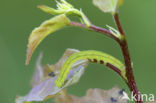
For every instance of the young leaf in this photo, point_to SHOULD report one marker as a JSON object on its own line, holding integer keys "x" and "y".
{"x": 50, "y": 10}
{"x": 92, "y": 56}
{"x": 108, "y": 5}
{"x": 66, "y": 8}
{"x": 39, "y": 33}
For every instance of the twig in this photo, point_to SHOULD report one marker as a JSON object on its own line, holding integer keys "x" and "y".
{"x": 96, "y": 29}
{"x": 127, "y": 59}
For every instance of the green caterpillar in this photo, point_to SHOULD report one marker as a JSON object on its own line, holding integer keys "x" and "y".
{"x": 92, "y": 56}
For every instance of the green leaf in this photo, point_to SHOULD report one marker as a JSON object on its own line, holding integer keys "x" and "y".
{"x": 50, "y": 10}
{"x": 108, "y": 5}
{"x": 92, "y": 56}
{"x": 39, "y": 33}
{"x": 66, "y": 8}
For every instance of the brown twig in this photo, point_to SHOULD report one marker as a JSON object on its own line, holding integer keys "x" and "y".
{"x": 127, "y": 59}
{"x": 96, "y": 29}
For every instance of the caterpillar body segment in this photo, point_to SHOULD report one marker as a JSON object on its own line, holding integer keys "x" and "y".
{"x": 92, "y": 56}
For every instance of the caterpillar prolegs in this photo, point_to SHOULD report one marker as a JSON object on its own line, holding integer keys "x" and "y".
{"x": 91, "y": 56}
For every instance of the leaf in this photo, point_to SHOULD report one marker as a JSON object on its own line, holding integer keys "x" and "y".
{"x": 20, "y": 99}
{"x": 39, "y": 72}
{"x": 108, "y": 5}
{"x": 66, "y": 8}
{"x": 43, "y": 83}
{"x": 38, "y": 34}
{"x": 92, "y": 56}
{"x": 50, "y": 10}
{"x": 93, "y": 96}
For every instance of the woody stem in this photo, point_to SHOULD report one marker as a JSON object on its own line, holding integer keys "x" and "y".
{"x": 129, "y": 70}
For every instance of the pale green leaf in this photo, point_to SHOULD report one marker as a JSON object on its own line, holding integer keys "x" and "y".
{"x": 46, "y": 28}
{"x": 108, "y": 5}
{"x": 50, "y": 10}
{"x": 66, "y": 8}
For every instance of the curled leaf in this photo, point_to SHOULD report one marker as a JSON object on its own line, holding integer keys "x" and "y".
{"x": 39, "y": 72}
{"x": 38, "y": 34}
{"x": 113, "y": 95}
{"x": 50, "y": 10}
{"x": 44, "y": 78}
{"x": 20, "y": 99}
{"x": 108, "y": 5}
{"x": 92, "y": 56}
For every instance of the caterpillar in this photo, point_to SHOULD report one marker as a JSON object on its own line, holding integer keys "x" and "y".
{"x": 91, "y": 56}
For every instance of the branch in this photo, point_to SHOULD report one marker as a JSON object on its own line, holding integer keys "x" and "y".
{"x": 129, "y": 70}
{"x": 96, "y": 29}
{"x": 118, "y": 24}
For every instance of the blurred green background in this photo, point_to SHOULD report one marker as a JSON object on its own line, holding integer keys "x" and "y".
{"x": 19, "y": 17}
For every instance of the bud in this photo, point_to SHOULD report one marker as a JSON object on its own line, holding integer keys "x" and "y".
{"x": 115, "y": 32}
{"x": 64, "y": 7}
